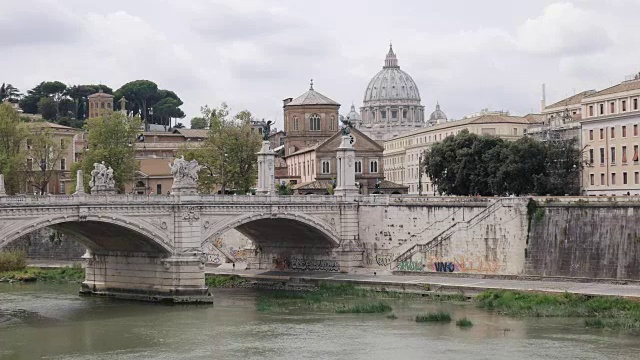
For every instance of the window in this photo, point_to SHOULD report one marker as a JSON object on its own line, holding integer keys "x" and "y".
{"x": 102, "y": 105}
{"x": 636, "y": 177}
{"x": 624, "y": 154}
{"x": 359, "y": 166}
{"x": 590, "y": 110}
{"x": 613, "y": 132}
{"x": 394, "y": 114}
{"x": 63, "y": 164}
{"x": 591, "y": 156}
{"x": 624, "y": 131}
{"x": 624, "y": 178}
{"x": 404, "y": 114}
{"x": 602, "y": 179}
{"x": 326, "y": 166}
{"x": 624, "y": 105}
{"x": 281, "y": 140}
{"x": 62, "y": 188}
{"x": 635, "y": 104}
{"x": 295, "y": 123}
{"x": 515, "y": 131}
{"x": 62, "y": 143}
{"x": 30, "y": 164}
{"x": 159, "y": 189}
{"x": 601, "y": 109}
{"x": 373, "y": 166}
{"x": 613, "y": 154}
{"x": 592, "y": 179}
{"x": 601, "y": 134}
{"x": 635, "y": 153}
{"x": 314, "y": 122}
{"x": 613, "y": 178}
{"x": 332, "y": 124}
{"x": 590, "y": 134}
{"x": 29, "y": 143}
{"x": 612, "y": 107}
{"x": 635, "y": 130}
{"x": 601, "y": 156}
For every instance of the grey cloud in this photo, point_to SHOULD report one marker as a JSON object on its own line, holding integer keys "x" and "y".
{"x": 36, "y": 24}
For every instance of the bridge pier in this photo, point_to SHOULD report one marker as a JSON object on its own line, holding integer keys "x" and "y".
{"x": 146, "y": 277}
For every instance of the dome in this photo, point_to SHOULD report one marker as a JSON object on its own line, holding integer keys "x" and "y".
{"x": 353, "y": 114}
{"x": 438, "y": 115}
{"x": 391, "y": 84}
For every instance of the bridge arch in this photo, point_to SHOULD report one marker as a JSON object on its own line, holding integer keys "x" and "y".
{"x": 294, "y": 230}
{"x": 109, "y": 233}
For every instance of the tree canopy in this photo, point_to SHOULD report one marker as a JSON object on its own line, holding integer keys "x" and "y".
{"x": 12, "y": 157}
{"x": 228, "y": 155}
{"x": 468, "y": 164}
{"x": 111, "y": 138}
{"x": 153, "y": 105}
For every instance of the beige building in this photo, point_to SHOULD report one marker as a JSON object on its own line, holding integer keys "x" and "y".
{"x": 99, "y": 103}
{"x": 610, "y": 139}
{"x": 154, "y": 150}
{"x": 403, "y": 154}
{"x": 561, "y": 120}
{"x": 59, "y": 173}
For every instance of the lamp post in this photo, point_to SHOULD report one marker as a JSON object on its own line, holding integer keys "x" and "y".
{"x": 222, "y": 173}
{"x": 420, "y": 174}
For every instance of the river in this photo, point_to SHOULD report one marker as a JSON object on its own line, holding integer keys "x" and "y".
{"x": 51, "y": 321}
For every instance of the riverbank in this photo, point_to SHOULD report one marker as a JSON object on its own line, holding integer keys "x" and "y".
{"x": 31, "y": 274}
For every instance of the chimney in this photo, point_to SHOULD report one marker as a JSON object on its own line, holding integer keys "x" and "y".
{"x": 543, "y": 102}
{"x": 286, "y": 101}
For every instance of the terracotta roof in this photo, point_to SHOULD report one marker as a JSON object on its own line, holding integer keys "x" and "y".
{"x": 622, "y": 87}
{"x": 571, "y": 100}
{"x": 100, "y": 95}
{"x": 50, "y": 125}
{"x": 307, "y": 149}
{"x": 535, "y": 118}
{"x": 192, "y": 133}
{"x": 386, "y": 184}
{"x": 488, "y": 119}
{"x": 312, "y": 97}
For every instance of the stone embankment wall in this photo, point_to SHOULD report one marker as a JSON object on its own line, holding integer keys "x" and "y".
{"x": 48, "y": 244}
{"x": 585, "y": 237}
{"x": 461, "y": 235}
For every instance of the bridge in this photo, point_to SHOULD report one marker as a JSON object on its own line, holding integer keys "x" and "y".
{"x": 149, "y": 247}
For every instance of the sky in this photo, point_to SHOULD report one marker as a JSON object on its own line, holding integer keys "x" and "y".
{"x": 252, "y": 54}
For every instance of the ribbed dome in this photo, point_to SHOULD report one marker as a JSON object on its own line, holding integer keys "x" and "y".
{"x": 438, "y": 115}
{"x": 353, "y": 114}
{"x": 391, "y": 83}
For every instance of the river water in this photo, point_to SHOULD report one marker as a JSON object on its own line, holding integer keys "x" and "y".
{"x": 51, "y": 321}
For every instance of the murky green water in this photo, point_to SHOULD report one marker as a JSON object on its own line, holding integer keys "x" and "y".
{"x": 51, "y": 321}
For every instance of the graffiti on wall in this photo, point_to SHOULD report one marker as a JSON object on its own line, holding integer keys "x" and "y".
{"x": 281, "y": 263}
{"x": 241, "y": 255}
{"x": 410, "y": 266}
{"x": 465, "y": 264}
{"x": 314, "y": 265}
{"x": 384, "y": 259}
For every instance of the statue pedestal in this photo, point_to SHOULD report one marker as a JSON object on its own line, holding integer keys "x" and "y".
{"x": 346, "y": 179}
{"x": 183, "y": 189}
{"x": 103, "y": 190}
{"x": 266, "y": 170}
{"x": 185, "y": 176}
{"x": 3, "y": 192}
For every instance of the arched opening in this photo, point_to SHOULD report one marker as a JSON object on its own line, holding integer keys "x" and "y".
{"x": 279, "y": 242}
{"x": 396, "y": 193}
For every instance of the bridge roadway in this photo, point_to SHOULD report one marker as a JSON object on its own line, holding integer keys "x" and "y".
{"x": 150, "y": 247}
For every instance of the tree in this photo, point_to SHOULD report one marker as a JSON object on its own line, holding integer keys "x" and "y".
{"x": 139, "y": 92}
{"x": 111, "y": 138}
{"x": 228, "y": 155}
{"x": 44, "y": 154}
{"x": 199, "y": 122}
{"x": 47, "y": 108}
{"x": 468, "y": 164}
{"x": 29, "y": 103}
{"x": 12, "y": 135}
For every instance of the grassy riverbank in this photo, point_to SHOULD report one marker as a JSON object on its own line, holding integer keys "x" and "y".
{"x": 28, "y": 274}
{"x": 599, "y": 311}
{"x": 219, "y": 281}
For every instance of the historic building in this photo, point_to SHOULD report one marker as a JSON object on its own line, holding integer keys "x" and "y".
{"x": 309, "y": 119}
{"x": 437, "y": 117}
{"x": 391, "y": 105}
{"x": 403, "y": 154}
{"x": 561, "y": 120}
{"x": 610, "y": 140}
{"x": 99, "y": 103}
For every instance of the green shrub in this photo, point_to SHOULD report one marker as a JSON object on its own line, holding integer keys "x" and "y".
{"x": 440, "y": 316}
{"x": 12, "y": 260}
{"x": 392, "y": 316}
{"x": 464, "y": 322}
{"x": 368, "y": 308}
{"x": 215, "y": 281}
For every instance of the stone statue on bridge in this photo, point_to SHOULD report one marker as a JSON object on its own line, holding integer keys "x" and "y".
{"x": 102, "y": 181}
{"x": 346, "y": 129}
{"x": 185, "y": 176}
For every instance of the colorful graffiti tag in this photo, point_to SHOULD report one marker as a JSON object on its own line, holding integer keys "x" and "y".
{"x": 465, "y": 264}
{"x": 409, "y": 266}
{"x": 384, "y": 260}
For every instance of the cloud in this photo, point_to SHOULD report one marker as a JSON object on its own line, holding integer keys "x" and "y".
{"x": 563, "y": 29}
{"x": 40, "y": 23}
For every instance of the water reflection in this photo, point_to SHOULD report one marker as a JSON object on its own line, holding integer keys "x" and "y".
{"x": 52, "y": 321}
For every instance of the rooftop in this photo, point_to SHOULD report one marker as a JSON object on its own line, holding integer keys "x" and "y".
{"x": 312, "y": 97}
{"x": 624, "y": 86}
{"x": 571, "y": 100}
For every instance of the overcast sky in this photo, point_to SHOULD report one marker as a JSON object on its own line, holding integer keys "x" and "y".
{"x": 466, "y": 54}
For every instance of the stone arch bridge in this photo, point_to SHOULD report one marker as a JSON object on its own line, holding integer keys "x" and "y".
{"x": 151, "y": 247}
